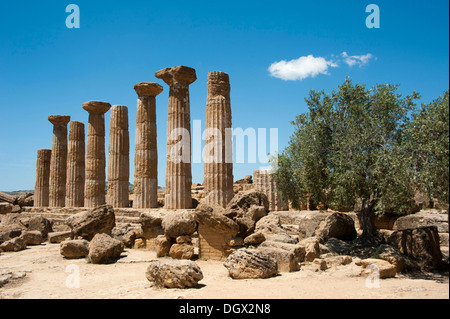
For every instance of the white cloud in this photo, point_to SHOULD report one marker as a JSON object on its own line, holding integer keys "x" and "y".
{"x": 359, "y": 60}
{"x": 301, "y": 68}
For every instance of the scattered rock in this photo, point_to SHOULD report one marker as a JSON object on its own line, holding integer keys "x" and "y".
{"x": 57, "y": 237}
{"x": 183, "y": 239}
{"x": 420, "y": 243}
{"x": 104, "y": 249}
{"x": 371, "y": 265}
{"x": 151, "y": 219}
{"x": 96, "y": 221}
{"x": 174, "y": 273}
{"x": 254, "y": 239}
{"x": 312, "y": 248}
{"x": 32, "y": 237}
{"x": 337, "y": 225}
{"x": 9, "y": 232}
{"x": 178, "y": 223}
{"x": 162, "y": 246}
{"x": 72, "y": 249}
{"x": 41, "y": 224}
{"x": 5, "y": 208}
{"x": 250, "y": 264}
{"x": 335, "y": 261}
{"x": 140, "y": 243}
{"x": 15, "y": 244}
{"x": 236, "y": 242}
{"x": 181, "y": 251}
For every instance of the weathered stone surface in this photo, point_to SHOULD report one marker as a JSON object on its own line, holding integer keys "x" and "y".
{"x": 264, "y": 182}
{"x": 178, "y": 168}
{"x": 424, "y": 218}
{"x": 421, "y": 243}
{"x": 335, "y": 261}
{"x": 183, "y": 239}
{"x": 162, "y": 246}
{"x": 312, "y": 248}
{"x": 288, "y": 256}
{"x": 10, "y": 231}
{"x": 5, "y": 208}
{"x": 338, "y": 226}
{"x": 14, "y": 244}
{"x": 338, "y": 246}
{"x": 94, "y": 191}
{"x": 58, "y": 237}
{"x": 177, "y": 223}
{"x": 243, "y": 201}
{"x": 151, "y": 219}
{"x": 140, "y": 243}
{"x": 254, "y": 239}
{"x": 218, "y": 178}
{"x": 41, "y": 224}
{"x": 32, "y": 237}
{"x": 8, "y": 198}
{"x": 127, "y": 233}
{"x": 236, "y": 242}
{"x": 146, "y": 154}
{"x": 42, "y": 179}
{"x": 385, "y": 269}
{"x": 174, "y": 273}
{"x": 73, "y": 249}
{"x": 250, "y": 264}
{"x": 75, "y": 165}
{"x": 89, "y": 223}
{"x": 270, "y": 226}
{"x": 118, "y": 158}
{"x": 182, "y": 251}
{"x": 104, "y": 249}
{"x": 58, "y": 161}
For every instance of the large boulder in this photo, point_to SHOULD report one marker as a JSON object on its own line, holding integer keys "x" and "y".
{"x": 15, "y": 244}
{"x": 372, "y": 266}
{"x": 420, "y": 243}
{"x": 89, "y": 223}
{"x": 182, "y": 251}
{"x": 151, "y": 219}
{"x": 32, "y": 237}
{"x": 250, "y": 264}
{"x": 104, "y": 249}
{"x": 178, "y": 223}
{"x": 337, "y": 225}
{"x": 41, "y": 224}
{"x": 312, "y": 248}
{"x": 72, "y": 249}
{"x": 207, "y": 218}
{"x": 270, "y": 227}
{"x": 127, "y": 233}
{"x": 5, "y": 208}
{"x": 424, "y": 218}
{"x": 8, "y": 232}
{"x": 288, "y": 256}
{"x": 174, "y": 273}
{"x": 58, "y": 237}
{"x": 162, "y": 245}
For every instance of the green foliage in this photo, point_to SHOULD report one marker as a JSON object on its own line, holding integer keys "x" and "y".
{"x": 427, "y": 140}
{"x": 349, "y": 147}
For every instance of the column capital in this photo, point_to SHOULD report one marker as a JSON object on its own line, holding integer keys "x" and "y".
{"x": 96, "y": 107}
{"x": 177, "y": 75}
{"x": 148, "y": 89}
{"x": 59, "y": 119}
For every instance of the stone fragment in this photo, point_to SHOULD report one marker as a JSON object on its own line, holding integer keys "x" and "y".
{"x": 162, "y": 246}
{"x": 250, "y": 264}
{"x": 32, "y": 237}
{"x": 104, "y": 249}
{"x": 89, "y": 223}
{"x": 378, "y": 266}
{"x": 337, "y": 225}
{"x": 181, "y": 251}
{"x": 174, "y": 273}
{"x": 178, "y": 223}
{"x": 73, "y": 249}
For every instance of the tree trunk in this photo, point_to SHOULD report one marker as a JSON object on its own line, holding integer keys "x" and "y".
{"x": 366, "y": 218}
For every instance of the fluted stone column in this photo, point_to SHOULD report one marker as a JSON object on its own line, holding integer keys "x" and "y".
{"x": 178, "y": 171}
{"x": 146, "y": 154}
{"x": 94, "y": 191}
{"x": 58, "y": 162}
{"x": 41, "y": 186}
{"x": 119, "y": 158}
{"x": 218, "y": 174}
{"x": 264, "y": 182}
{"x": 75, "y": 165}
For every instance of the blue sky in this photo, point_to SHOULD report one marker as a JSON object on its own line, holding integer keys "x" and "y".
{"x": 46, "y": 68}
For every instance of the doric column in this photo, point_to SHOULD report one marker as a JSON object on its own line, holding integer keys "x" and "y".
{"x": 75, "y": 165}
{"x": 146, "y": 155}
{"x": 218, "y": 174}
{"x": 178, "y": 171}
{"x": 58, "y": 162}
{"x": 41, "y": 186}
{"x": 119, "y": 158}
{"x": 94, "y": 191}
{"x": 264, "y": 182}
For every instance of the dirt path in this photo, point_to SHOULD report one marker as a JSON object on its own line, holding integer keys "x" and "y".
{"x": 48, "y": 275}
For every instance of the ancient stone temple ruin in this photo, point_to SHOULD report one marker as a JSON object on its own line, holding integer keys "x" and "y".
{"x": 94, "y": 192}
{"x": 41, "y": 186}
{"x": 75, "y": 165}
{"x": 264, "y": 182}
{"x": 146, "y": 154}
{"x": 218, "y": 179}
{"x": 178, "y": 170}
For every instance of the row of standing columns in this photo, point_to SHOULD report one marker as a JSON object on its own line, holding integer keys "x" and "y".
{"x": 67, "y": 176}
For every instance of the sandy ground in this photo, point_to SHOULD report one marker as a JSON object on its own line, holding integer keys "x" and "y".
{"x": 45, "y": 274}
